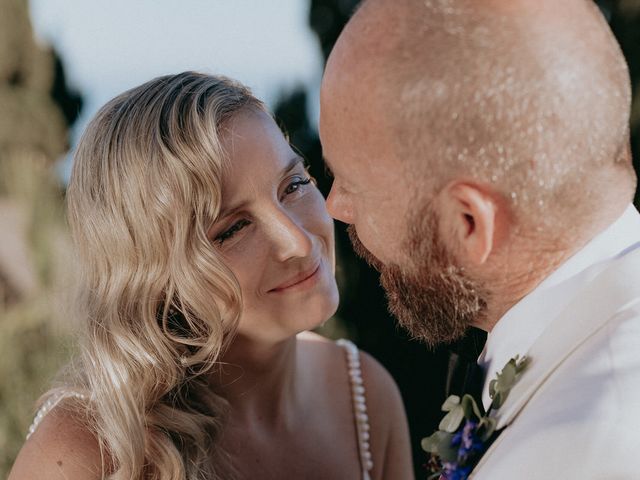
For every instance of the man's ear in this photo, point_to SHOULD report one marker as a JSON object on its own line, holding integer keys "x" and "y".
{"x": 469, "y": 215}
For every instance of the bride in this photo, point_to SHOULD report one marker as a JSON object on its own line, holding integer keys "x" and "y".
{"x": 206, "y": 254}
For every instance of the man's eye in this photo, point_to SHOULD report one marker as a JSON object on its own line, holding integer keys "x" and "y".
{"x": 231, "y": 231}
{"x": 295, "y": 185}
{"x": 327, "y": 171}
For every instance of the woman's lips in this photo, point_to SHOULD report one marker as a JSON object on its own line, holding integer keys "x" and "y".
{"x": 300, "y": 281}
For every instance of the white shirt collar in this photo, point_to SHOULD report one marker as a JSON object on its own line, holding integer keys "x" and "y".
{"x": 519, "y": 328}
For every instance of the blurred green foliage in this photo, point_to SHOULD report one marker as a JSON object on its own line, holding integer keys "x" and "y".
{"x": 33, "y": 333}
{"x": 34, "y": 242}
{"x": 33, "y": 350}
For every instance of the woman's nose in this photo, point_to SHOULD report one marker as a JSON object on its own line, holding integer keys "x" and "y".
{"x": 290, "y": 239}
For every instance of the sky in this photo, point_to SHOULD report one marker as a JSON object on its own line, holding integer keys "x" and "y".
{"x": 110, "y": 46}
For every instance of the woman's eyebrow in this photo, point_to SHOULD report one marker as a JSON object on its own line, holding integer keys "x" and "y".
{"x": 292, "y": 164}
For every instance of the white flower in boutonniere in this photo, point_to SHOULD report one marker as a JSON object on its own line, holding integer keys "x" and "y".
{"x": 466, "y": 431}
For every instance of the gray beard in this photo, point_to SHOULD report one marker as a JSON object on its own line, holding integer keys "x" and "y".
{"x": 433, "y": 299}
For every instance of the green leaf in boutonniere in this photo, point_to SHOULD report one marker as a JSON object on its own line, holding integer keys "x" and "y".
{"x": 440, "y": 444}
{"x": 500, "y": 387}
{"x": 466, "y": 431}
{"x": 471, "y": 408}
{"x": 451, "y": 421}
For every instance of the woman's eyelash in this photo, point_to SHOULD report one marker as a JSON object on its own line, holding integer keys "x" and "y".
{"x": 231, "y": 231}
{"x": 293, "y": 186}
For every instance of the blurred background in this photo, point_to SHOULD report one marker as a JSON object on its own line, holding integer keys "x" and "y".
{"x": 60, "y": 60}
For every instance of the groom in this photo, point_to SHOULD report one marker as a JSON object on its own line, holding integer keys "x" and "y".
{"x": 481, "y": 157}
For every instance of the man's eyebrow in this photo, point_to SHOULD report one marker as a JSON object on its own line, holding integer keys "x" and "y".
{"x": 293, "y": 163}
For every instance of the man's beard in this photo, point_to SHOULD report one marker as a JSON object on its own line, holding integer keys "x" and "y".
{"x": 432, "y": 298}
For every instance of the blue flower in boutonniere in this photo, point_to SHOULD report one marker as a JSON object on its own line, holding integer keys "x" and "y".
{"x": 466, "y": 431}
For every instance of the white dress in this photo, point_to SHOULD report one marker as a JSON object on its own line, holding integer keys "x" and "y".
{"x": 360, "y": 415}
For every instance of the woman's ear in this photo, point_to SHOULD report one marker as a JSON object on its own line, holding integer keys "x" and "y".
{"x": 469, "y": 220}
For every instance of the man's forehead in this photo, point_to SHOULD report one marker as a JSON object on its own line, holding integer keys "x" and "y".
{"x": 367, "y": 38}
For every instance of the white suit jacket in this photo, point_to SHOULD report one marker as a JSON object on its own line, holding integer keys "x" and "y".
{"x": 575, "y": 412}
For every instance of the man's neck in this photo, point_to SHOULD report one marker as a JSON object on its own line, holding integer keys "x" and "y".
{"x": 531, "y": 259}
{"x": 514, "y": 287}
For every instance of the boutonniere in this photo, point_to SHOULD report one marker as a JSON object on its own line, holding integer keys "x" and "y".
{"x": 466, "y": 431}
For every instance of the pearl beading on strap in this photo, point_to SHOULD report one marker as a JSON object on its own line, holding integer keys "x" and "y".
{"x": 359, "y": 406}
{"x": 50, "y": 405}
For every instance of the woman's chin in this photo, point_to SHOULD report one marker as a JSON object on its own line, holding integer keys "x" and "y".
{"x": 324, "y": 309}
{"x": 286, "y": 320}
{"x": 310, "y": 323}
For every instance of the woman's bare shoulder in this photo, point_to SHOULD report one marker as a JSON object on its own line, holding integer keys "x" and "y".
{"x": 380, "y": 386}
{"x": 390, "y": 444}
{"x": 383, "y": 395}
{"x": 62, "y": 447}
{"x": 389, "y": 438}
{"x": 324, "y": 354}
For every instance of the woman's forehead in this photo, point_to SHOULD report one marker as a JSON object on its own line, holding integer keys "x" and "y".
{"x": 253, "y": 139}
{"x": 259, "y": 157}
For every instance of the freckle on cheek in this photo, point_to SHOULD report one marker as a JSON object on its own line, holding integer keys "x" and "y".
{"x": 59, "y": 462}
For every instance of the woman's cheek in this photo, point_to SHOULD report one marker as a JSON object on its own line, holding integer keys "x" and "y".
{"x": 245, "y": 260}
{"x": 319, "y": 222}
{"x": 316, "y": 208}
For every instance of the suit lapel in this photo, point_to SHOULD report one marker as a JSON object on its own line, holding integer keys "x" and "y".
{"x": 584, "y": 316}
{"x": 610, "y": 291}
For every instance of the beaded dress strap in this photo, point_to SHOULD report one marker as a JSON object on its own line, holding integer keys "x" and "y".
{"x": 359, "y": 406}
{"x": 50, "y": 405}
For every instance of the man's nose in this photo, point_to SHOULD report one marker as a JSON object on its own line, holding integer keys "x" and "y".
{"x": 290, "y": 239}
{"x": 338, "y": 206}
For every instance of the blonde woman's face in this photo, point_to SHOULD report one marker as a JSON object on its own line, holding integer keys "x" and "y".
{"x": 274, "y": 233}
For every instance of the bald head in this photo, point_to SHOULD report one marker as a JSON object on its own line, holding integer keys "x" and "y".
{"x": 530, "y": 98}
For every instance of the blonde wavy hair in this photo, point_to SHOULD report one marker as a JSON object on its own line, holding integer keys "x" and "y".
{"x": 158, "y": 305}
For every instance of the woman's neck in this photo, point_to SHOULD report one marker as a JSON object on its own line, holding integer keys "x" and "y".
{"x": 258, "y": 381}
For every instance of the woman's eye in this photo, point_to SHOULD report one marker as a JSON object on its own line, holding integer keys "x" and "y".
{"x": 231, "y": 231}
{"x": 296, "y": 184}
